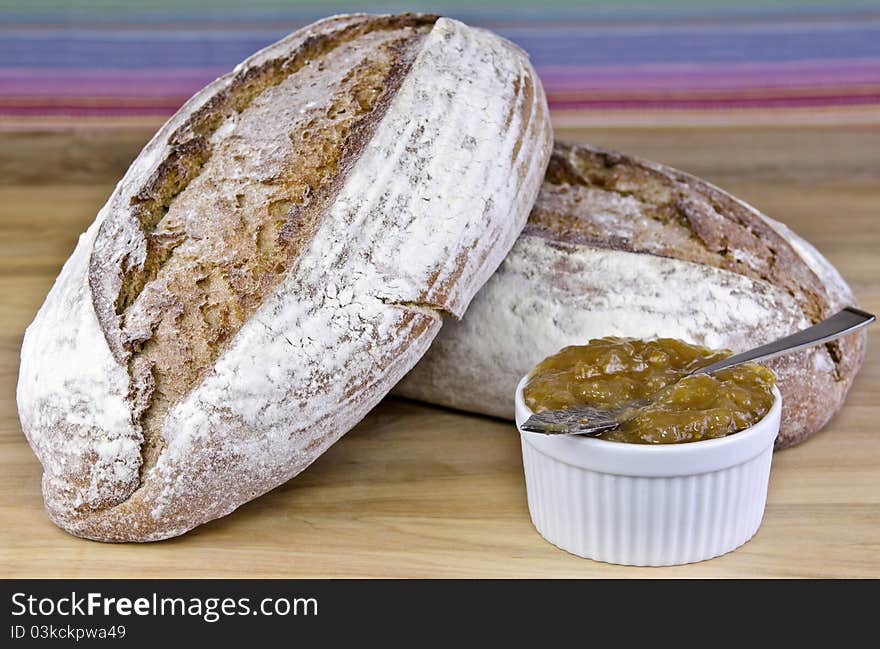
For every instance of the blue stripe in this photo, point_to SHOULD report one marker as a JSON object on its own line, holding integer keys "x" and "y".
{"x": 224, "y": 49}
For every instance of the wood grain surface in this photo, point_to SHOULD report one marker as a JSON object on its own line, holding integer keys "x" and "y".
{"x": 417, "y": 491}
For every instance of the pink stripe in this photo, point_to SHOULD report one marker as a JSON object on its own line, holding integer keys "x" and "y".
{"x": 717, "y": 104}
{"x": 86, "y": 111}
{"x": 585, "y": 105}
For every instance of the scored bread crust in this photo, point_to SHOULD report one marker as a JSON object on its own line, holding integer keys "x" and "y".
{"x": 617, "y": 246}
{"x": 411, "y": 212}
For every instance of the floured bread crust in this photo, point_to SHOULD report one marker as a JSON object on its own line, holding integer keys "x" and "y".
{"x": 620, "y": 246}
{"x": 279, "y": 255}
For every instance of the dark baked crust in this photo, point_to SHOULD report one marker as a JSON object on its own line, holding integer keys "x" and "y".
{"x": 273, "y": 262}
{"x": 214, "y": 243}
{"x": 684, "y": 217}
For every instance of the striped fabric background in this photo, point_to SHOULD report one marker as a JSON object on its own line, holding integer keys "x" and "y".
{"x": 124, "y": 63}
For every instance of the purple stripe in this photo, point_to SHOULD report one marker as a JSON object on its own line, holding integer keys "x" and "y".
{"x": 53, "y": 82}
{"x": 49, "y": 82}
{"x": 709, "y": 76}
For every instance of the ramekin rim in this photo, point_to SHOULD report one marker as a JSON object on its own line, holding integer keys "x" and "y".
{"x": 687, "y": 458}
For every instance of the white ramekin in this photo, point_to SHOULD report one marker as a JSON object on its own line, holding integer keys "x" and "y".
{"x": 645, "y": 505}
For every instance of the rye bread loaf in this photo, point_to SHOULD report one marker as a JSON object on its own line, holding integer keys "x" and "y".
{"x": 274, "y": 261}
{"x": 617, "y": 246}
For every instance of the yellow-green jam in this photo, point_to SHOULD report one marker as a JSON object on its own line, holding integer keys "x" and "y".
{"x": 610, "y": 372}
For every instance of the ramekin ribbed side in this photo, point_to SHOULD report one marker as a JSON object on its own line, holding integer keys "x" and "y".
{"x": 645, "y": 504}
{"x": 645, "y": 521}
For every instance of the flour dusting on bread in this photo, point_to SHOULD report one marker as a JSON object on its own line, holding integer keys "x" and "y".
{"x": 617, "y": 246}
{"x": 264, "y": 347}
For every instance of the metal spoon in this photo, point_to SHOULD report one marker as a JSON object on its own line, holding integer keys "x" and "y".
{"x": 586, "y": 420}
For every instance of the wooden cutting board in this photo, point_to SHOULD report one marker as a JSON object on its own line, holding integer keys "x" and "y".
{"x": 417, "y": 491}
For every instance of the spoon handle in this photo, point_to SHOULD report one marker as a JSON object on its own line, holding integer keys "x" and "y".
{"x": 837, "y": 325}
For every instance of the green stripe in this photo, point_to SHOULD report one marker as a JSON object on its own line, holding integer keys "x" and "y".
{"x": 332, "y": 6}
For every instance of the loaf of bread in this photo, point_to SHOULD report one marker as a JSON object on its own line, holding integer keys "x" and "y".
{"x": 274, "y": 261}
{"x": 617, "y": 246}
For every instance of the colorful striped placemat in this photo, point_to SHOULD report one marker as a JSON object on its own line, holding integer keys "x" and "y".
{"x": 113, "y": 63}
